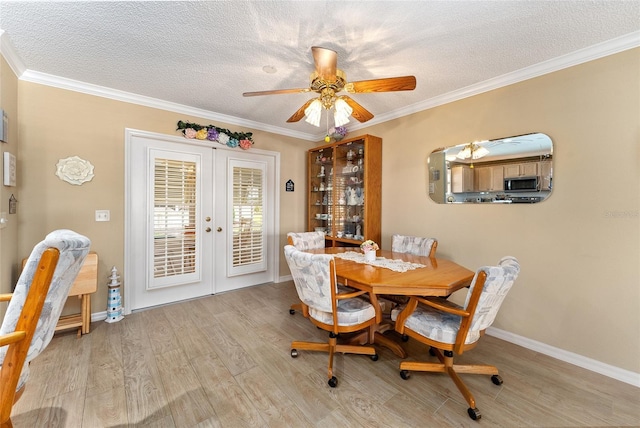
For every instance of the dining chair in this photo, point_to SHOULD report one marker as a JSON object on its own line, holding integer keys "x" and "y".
{"x": 34, "y": 308}
{"x": 314, "y": 276}
{"x": 448, "y": 328}
{"x": 304, "y": 241}
{"x": 414, "y": 245}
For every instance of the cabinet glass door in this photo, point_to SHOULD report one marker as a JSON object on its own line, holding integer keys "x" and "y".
{"x": 321, "y": 192}
{"x": 349, "y": 191}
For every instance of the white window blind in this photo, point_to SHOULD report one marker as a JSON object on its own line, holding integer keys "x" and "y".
{"x": 248, "y": 221}
{"x": 174, "y": 217}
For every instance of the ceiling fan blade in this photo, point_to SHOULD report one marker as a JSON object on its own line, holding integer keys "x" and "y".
{"x": 404, "y": 83}
{"x": 326, "y": 63}
{"x": 360, "y": 113}
{"x": 300, "y": 113}
{"x": 276, "y": 91}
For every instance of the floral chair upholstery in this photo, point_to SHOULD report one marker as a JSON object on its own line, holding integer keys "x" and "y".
{"x": 414, "y": 245}
{"x": 73, "y": 249}
{"x": 314, "y": 276}
{"x": 306, "y": 240}
{"x": 449, "y": 328}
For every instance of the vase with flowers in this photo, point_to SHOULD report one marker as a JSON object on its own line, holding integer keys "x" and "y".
{"x": 369, "y": 249}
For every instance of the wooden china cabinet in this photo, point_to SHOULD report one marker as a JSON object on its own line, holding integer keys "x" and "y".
{"x": 344, "y": 186}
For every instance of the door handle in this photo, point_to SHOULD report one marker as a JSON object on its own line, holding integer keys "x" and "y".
{"x": 208, "y": 229}
{"x": 219, "y": 229}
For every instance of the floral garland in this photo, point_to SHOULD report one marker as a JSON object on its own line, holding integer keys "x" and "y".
{"x": 337, "y": 133}
{"x": 213, "y": 133}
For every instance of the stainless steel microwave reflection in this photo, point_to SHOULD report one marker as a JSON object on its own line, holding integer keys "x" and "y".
{"x": 511, "y": 170}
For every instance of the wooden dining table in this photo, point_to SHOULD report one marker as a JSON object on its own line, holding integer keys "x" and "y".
{"x": 438, "y": 277}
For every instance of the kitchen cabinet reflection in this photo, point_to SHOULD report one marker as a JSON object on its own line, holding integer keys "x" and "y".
{"x": 508, "y": 170}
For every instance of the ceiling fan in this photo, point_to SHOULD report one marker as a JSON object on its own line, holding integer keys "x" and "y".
{"x": 327, "y": 80}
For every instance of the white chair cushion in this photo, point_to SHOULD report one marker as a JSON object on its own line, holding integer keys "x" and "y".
{"x": 350, "y": 312}
{"x": 412, "y": 245}
{"x": 307, "y": 240}
{"x": 437, "y": 325}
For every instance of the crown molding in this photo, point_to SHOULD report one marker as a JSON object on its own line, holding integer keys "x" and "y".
{"x": 128, "y": 97}
{"x": 9, "y": 54}
{"x": 600, "y": 50}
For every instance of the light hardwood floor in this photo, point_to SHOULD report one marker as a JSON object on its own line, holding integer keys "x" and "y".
{"x": 223, "y": 361}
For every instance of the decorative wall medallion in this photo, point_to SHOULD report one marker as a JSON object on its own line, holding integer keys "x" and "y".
{"x": 74, "y": 170}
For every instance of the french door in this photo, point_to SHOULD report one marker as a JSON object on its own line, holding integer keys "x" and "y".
{"x": 199, "y": 219}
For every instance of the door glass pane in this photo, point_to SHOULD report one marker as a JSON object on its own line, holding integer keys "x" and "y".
{"x": 248, "y": 209}
{"x": 174, "y": 217}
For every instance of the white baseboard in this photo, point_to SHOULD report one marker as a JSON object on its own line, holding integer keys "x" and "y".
{"x": 626, "y": 376}
{"x": 99, "y": 316}
{"x": 285, "y": 278}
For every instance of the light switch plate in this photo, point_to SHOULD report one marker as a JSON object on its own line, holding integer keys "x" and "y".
{"x": 103, "y": 215}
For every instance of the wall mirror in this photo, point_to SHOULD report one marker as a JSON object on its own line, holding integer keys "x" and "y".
{"x": 511, "y": 170}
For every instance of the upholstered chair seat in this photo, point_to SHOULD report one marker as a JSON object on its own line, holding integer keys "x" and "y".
{"x": 350, "y": 312}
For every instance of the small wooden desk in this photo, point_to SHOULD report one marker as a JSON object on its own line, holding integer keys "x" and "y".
{"x": 85, "y": 284}
{"x": 439, "y": 277}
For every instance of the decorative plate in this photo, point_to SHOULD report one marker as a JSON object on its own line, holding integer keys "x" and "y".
{"x": 74, "y": 170}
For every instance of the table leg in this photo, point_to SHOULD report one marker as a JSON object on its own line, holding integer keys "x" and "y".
{"x": 375, "y": 336}
{"x": 391, "y": 344}
{"x": 86, "y": 313}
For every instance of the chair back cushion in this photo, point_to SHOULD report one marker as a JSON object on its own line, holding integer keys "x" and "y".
{"x": 312, "y": 277}
{"x": 499, "y": 281}
{"x": 444, "y": 327}
{"x": 73, "y": 249}
{"x": 307, "y": 240}
{"x": 412, "y": 245}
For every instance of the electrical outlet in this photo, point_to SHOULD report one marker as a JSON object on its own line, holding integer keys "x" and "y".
{"x": 102, "y": 215}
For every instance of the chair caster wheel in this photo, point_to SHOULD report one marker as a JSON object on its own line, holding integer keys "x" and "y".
{"x": 496, "y": 379}
{"x": 404, "y": 374}
{"x": 374, "y": 357}
{"x": 405, "y": 338}
{"x": 474, "y": 413}
{"x": 333, "y": 382}
{"x": 292, "y": 311}
{"x": 432, "y": 351}
{"x": 294, "y": 353}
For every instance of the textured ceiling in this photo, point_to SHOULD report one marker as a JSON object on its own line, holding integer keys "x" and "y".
{"x": 204, "y": 55}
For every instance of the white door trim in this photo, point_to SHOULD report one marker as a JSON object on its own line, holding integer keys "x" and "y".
{"x": 128, "y": 227}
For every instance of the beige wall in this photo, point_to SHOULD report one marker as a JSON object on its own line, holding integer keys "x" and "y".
{"x": 579, "y": 250}
{"x": 56, "y": 124}
{"x": 579, "y": 289}
{"x": 8, "y": 235}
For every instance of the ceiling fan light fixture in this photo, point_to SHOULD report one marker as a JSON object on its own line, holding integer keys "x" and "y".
{"x": 465, "y": 153}
{"x": 480, "y": 152}
{"x": 473, "y": 151}
{"x": 313, "y": 112}
{"x": 342, "y": 112}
